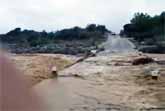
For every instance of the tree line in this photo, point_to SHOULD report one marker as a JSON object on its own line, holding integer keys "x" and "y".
{"x": 143, "y": 27}
{"x": 34, "y": 38}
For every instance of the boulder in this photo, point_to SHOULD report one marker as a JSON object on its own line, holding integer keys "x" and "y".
{"x": 142, "y": 60}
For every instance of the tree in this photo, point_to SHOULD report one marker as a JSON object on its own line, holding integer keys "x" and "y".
{"x": 101, "y": 28}
{"x": 143, "y": 27}
{"x": 91, "y": 27}
{"x": 14, "y": 32}
{"x": 142, "y": 21}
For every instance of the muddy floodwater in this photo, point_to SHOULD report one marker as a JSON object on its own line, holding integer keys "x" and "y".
{"x": 106, "y": 83}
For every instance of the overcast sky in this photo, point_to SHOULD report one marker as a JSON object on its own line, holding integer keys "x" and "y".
{"x": 53, "y": 15}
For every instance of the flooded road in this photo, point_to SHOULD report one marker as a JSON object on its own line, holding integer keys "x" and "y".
{"x": 104, "y": 83}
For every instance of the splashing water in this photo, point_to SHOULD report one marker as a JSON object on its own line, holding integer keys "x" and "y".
{"x": 117, "y": 44}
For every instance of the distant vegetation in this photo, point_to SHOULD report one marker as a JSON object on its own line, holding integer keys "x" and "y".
{"x": 33, "y": 38}
{"x": 68, "y": 40}
{"x": 147, "y": 30}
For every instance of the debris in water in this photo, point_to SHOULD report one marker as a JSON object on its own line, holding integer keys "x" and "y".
{"x": 93, "y": 52}
{"x": 155, "y": 74}
{"x": 54, "y": 71}
{"x": 142, "y": 61}
{"x": 152, "y": 72}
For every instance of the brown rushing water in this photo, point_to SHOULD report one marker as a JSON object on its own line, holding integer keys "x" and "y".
{"x": 105, "y": 83}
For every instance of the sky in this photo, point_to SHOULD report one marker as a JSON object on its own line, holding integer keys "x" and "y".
{"x": 52, "y": 15}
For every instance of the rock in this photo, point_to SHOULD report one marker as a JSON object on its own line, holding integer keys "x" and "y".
{"x": 142, "y": 60}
